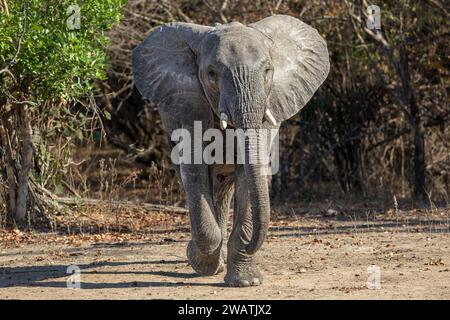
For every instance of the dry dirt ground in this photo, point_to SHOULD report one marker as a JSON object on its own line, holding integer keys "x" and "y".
{"x": 309, "y": 254}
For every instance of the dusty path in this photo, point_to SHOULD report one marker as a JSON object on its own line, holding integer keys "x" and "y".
{"x": 321, "y": 258}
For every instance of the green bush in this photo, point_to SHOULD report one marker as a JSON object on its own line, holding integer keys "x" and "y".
{"x": 47, "y": 60}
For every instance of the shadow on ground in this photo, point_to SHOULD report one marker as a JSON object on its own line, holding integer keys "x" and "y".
{"x": 36, "y": 276}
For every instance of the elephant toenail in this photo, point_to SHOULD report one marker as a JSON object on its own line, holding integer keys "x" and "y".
{"x": 244, "y": 283}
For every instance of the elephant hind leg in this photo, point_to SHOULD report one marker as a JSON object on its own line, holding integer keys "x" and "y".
{"x": 223, "y": 185}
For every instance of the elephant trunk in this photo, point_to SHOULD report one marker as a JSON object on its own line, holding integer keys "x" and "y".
{"x": 255, "y": 173}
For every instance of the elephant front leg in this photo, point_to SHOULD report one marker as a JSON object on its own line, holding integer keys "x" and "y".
{"x": 241, "y": 267}
{"x": 204, "y": 251}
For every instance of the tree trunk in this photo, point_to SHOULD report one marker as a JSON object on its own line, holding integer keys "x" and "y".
{"x": 26, "y": 161}
{"x": 10, "y": 171}
{"x": 409, "y": 97}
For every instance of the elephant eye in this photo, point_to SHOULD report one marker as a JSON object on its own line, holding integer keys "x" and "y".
{"x": 212, "y": 75}
{"x": 267, "y": 74}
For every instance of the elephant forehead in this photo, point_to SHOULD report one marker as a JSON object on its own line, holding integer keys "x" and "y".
{"x": 241, "y": 49}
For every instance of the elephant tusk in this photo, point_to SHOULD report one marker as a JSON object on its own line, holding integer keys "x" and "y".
{"x": 270, "y": 117}
{"x": 223, "y": 121}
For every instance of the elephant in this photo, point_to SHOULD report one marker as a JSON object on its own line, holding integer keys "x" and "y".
{"x": 237, "y": 76}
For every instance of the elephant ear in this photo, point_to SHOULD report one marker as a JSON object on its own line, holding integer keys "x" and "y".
{"x": 165, "y": 70}
{"x": 301, "y": 63}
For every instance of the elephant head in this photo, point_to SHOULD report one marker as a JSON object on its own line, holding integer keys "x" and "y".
{"x": 251, "y": 77}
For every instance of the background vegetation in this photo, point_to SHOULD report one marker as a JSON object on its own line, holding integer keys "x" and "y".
{"x": 378, "y": 128}
{"x": 48, "y": 60}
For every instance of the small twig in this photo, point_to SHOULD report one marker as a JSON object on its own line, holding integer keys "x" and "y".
{"x": 5, "y": 7}
{"x": 222, "y": 9}
{"x": 72, "y": 190}
{"x": 149, "y": 206}
{"x": 277, "y": 6}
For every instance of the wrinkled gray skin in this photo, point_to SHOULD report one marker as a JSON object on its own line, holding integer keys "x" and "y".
{"x": 195, "y": 73}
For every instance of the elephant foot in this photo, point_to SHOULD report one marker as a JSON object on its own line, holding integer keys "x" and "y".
{"x": 243, "y": 276}
{"x": 205, "y": 264}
